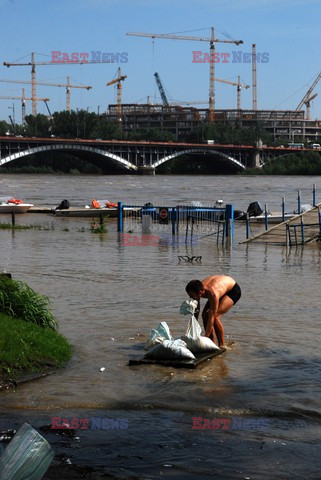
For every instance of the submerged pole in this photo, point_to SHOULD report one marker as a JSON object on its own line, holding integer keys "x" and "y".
{"x": 120, "y": 219}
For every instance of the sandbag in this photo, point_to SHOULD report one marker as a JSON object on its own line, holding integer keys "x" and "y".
{"x": 158, "y": 335}
{"x": 27, "y": 457}
{"x": 188, "y": 307}
{"x": 195, "y": 342}
{"x": 170, "y": 350}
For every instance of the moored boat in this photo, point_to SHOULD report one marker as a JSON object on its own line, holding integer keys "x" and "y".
{"x": 13, "y": 205}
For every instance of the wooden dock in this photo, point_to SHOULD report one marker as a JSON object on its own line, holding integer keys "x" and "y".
{"x": 298, "y": 230}
{"x": 79, "y": 211}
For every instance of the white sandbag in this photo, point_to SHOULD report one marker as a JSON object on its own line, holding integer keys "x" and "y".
{"x": 195, "y": 342}
{"x": 188, "y": 307}
{"x": 158, "y": 335}
{"x": 170, "y": 350}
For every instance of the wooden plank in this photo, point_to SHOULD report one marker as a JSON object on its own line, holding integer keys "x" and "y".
{"x": 276, "y": 235}
{"x": 200, "y": 358}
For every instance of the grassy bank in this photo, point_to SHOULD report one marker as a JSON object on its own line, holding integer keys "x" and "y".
{"x": 29, "y": 348}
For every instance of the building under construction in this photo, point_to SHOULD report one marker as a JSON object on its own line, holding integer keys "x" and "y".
{"x": 180, "y": 121}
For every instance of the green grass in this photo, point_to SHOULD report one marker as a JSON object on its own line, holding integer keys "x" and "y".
{"x": 27, "y": 348}
{"x": 17, "y": 299}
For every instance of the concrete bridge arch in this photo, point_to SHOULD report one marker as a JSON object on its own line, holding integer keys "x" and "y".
{"x": 231, "y": 160}
{"x": 71, "y": 148}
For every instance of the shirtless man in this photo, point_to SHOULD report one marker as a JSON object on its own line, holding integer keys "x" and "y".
{"x": 222, "y": 293}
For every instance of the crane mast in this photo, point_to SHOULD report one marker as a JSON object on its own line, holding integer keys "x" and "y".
{"x": 211, "y": 40}
{"x": 23, "y": 99}
{"x": 67, "y": 85}
{"x": 120, "y": 78}
{"x": 34, "y": 83}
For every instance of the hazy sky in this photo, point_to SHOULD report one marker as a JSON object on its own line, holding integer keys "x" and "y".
{"x": 288, "y": 32}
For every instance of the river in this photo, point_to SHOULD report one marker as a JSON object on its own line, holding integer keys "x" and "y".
{"x": 107, "y": 297}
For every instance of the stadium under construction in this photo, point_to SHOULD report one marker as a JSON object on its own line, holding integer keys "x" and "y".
{"x": 289, "y": 125}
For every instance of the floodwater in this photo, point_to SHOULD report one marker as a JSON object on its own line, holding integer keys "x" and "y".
{"x": 107, "y": 297}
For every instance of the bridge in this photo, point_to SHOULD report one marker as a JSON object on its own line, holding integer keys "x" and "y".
{"x": 143, "y": 157}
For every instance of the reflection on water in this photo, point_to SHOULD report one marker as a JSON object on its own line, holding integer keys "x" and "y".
{"x": 107, "y": 297}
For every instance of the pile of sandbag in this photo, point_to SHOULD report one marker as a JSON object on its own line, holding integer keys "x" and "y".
{"x": 161, "y": 345}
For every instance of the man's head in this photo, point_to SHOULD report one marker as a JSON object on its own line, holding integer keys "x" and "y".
{"x": 195, "y": 289}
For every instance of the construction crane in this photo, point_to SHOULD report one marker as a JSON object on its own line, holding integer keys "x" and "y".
{"x": 120, "y": 78}
{"x": 161, "y": 89}
{"x": 238, "y": 84}
{"x": 33, "y": 82}
{"x": 307, "y": 97}
{"x": 67, "y": 85}
{"x": 23, "y": 99}
{"x": 211, "y": 41}
{"x": 308, "y": 105}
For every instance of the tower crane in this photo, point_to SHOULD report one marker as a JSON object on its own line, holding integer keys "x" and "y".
{"x": 239, "y": 86}
{"x": 23, "y": 99}
{"x": 211, "y": 40}
{"x": 67, "y": 85}
{"x": 307, "y": 97}
{"x": 120, "y": 78}
{"x": 33, "y": 82}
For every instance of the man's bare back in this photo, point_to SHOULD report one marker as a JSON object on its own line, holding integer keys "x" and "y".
{"x": 218, "y": 284}
{"x": 222, "y": 292}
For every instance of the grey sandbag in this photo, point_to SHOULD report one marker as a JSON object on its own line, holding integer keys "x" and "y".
{"x": 27, "y": 457}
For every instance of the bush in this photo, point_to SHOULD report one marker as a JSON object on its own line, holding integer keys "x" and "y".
{"x": 19, "y": 300}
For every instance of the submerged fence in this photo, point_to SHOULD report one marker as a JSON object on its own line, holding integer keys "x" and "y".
{"x": 184, "y": 220}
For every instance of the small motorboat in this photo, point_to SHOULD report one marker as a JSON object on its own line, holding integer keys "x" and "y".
{"x": 13, "y": 205}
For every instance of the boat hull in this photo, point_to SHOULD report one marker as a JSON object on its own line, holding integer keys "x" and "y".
{"x": 13, "y": 208}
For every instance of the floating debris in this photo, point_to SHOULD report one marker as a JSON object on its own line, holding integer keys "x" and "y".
{"x": 188, "y": 259}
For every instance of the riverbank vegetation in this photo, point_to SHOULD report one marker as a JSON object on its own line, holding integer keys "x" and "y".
{"x": 29, "y": 341}
{"x": 28, "y": 348}
{"x": 302, "y": 163}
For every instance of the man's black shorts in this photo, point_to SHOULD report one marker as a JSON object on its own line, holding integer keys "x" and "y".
{"x": 235, "y": 293}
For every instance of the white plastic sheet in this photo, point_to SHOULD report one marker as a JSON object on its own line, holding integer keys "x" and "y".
{"x": 27, "y": 457}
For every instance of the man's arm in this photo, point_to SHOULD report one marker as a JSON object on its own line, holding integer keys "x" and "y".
{"x": 214, "y": 302}
{"x": 197, "y": 311}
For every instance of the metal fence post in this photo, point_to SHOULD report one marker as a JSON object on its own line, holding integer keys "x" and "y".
{"x": 173, "y": 212}
{"x": 120, "y": 219}
{"x": 229, "y": 220}
{"x": 266, "y": 221}
{"x": 299, "y": 202}
{"x": 247, "y": 224}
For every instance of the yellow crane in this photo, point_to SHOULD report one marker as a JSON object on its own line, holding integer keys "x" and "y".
{"x": 237, "y": 84}
{"x": 120, "y": 78}
{"x": 68, "y": 86}
{"x": 23, "y": 99}
{"x": 34, "y": 83}
{"x": 212, "y": 40}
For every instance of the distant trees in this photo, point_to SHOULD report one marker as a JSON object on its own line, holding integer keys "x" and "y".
{"x": 229, "y": 134}
{"x": 302, "y": 163}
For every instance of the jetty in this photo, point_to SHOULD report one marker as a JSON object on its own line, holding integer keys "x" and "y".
{"x": 299, "y": 230}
